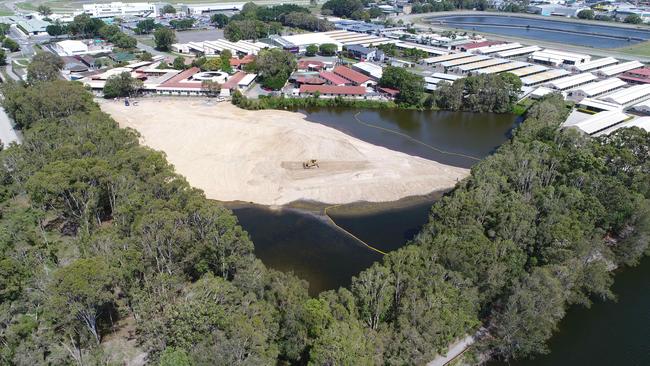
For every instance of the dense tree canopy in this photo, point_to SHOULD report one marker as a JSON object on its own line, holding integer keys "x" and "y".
{"x": 121, "y": 85}
{"x": 45, "y": 66}
{"x": 410, "y": 85}
{"x": 164, "y": 38}
{"x": 480, "y": 93}
{"x": 344, "y": 8}
{"x": 274, "y": 67}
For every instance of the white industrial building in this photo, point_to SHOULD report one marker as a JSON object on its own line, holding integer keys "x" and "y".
{"x": 432, "y": 82}
{"x": 572, "y": 81}
{"x": 542, "y": 77}
{"x": 443, "y": 58}
{"x": 595, "y": 64}
{"x": 596, "y": 89}
{"x": 114, "y": 9}
{"x": 518, "y": 51}
{"x": 71, "y": 47}
{"x": 597, "y": 105}
{"x": 428, "y": 49}
{"x": 340, "y": 38}
{"x": 466, "y": 69}
{"x": 640, "y": 122}
{"x": 446, "y": 65}
{"x": 217, "y": 46}
{"x": 486, "y": 50}
{"x": 370, "y": 69}
{"x": 628, "y": 96}
{"x": 506, "y": 67}
{"x": 601, "y": 121}
{"x": 529, "y": 70}
{"x": 614, "y": 70}
{"x": 558, "y": 58}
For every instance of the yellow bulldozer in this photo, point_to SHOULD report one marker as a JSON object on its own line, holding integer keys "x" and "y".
{"x": 309, "y": 164}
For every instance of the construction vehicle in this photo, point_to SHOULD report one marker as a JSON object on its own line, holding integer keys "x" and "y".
{"x": 309, "y": 164}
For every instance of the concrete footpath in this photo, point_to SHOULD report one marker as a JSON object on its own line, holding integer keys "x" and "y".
{"x": 455, "y": 350}
{"x": 7, "y": 132}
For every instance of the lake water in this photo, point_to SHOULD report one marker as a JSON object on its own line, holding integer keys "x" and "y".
{"x": 574, "y": 33}
{"x": 608, "y": 333}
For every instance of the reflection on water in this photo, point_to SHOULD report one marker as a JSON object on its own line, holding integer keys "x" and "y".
{"x": 315, "y": 251}
{"x": 599, "y": 35}
{"x": 456, "y": 133}
{"x": 609, "y": 333}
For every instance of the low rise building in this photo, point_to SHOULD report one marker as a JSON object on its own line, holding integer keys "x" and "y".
{"x": 571, "y": 81}
{"x": 601, "y": 121}
{"x": 75, "y": 47}
{"x": 558, "y": 58}
{"x": 353, "y": 77}
{"x": 331, "y": 91}
{"x": 365, "y": 53}
{"x": 618, "y": 69}
{"x": 629, "y": 96}
{"x": 595, "y": 64}
{"x": 637, "y": 76}
{"x": 595, "y": 89}
{"x": 33, "y": 27}
{"x": 121, "y": 9}
{"x": 373, "y": 70}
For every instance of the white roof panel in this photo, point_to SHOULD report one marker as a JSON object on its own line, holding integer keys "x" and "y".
{"x": 619, "y": 69}
{"x": 601, "y": 121}
{"x": 518, "y": 51}
{"x": 628, "y": 95}
{"x": 600, "y": 87}
{"x": 544, "y": 76}
{"x": 596, "y": 64}
{"x": 448, "y": 57}
{"x": 572, "y": 81}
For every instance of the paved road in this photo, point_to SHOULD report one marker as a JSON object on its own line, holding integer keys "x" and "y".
{"x": 7, "y": 132}
{"x": 455, "y": 349}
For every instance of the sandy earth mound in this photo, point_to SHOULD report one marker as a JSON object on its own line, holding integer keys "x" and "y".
{"x": 234, "y": 154}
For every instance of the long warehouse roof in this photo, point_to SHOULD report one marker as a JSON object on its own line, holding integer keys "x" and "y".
{"x": 448, "y": 57}
{"x": 496, "y": 69}
{"x": 596, "y": 64}
{"x": 571, "y": 81}
{"x": 496, "y": 48}
{"x": 601, "y": 121}
{"x": 641, "y": 122}
{"x": 518, "y": 51}
{"x": 482, "y": 64}
{"x": 561, "y": 55}
{"x": 619, "y": 69}
{"x": 427, "y": 49}
{"x": 532, "y": 69}
{"x": 463, "y": 61}
{"x": 600, "y": 87}
{"x": 628, "y": 95}
{"x": 544, "y": 76}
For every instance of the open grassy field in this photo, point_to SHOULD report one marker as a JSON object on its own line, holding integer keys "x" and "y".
{"x": 640, "y": 49}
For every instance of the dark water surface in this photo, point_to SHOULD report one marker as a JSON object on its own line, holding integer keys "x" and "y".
{"x": 325, "y": 256}
{"x": 453, "y": 138}
{"x": 574, "y": 33}
{"x": 609, "y": 333}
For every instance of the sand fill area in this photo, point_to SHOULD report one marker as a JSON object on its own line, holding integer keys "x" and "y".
{"x": 257, "y": 156}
